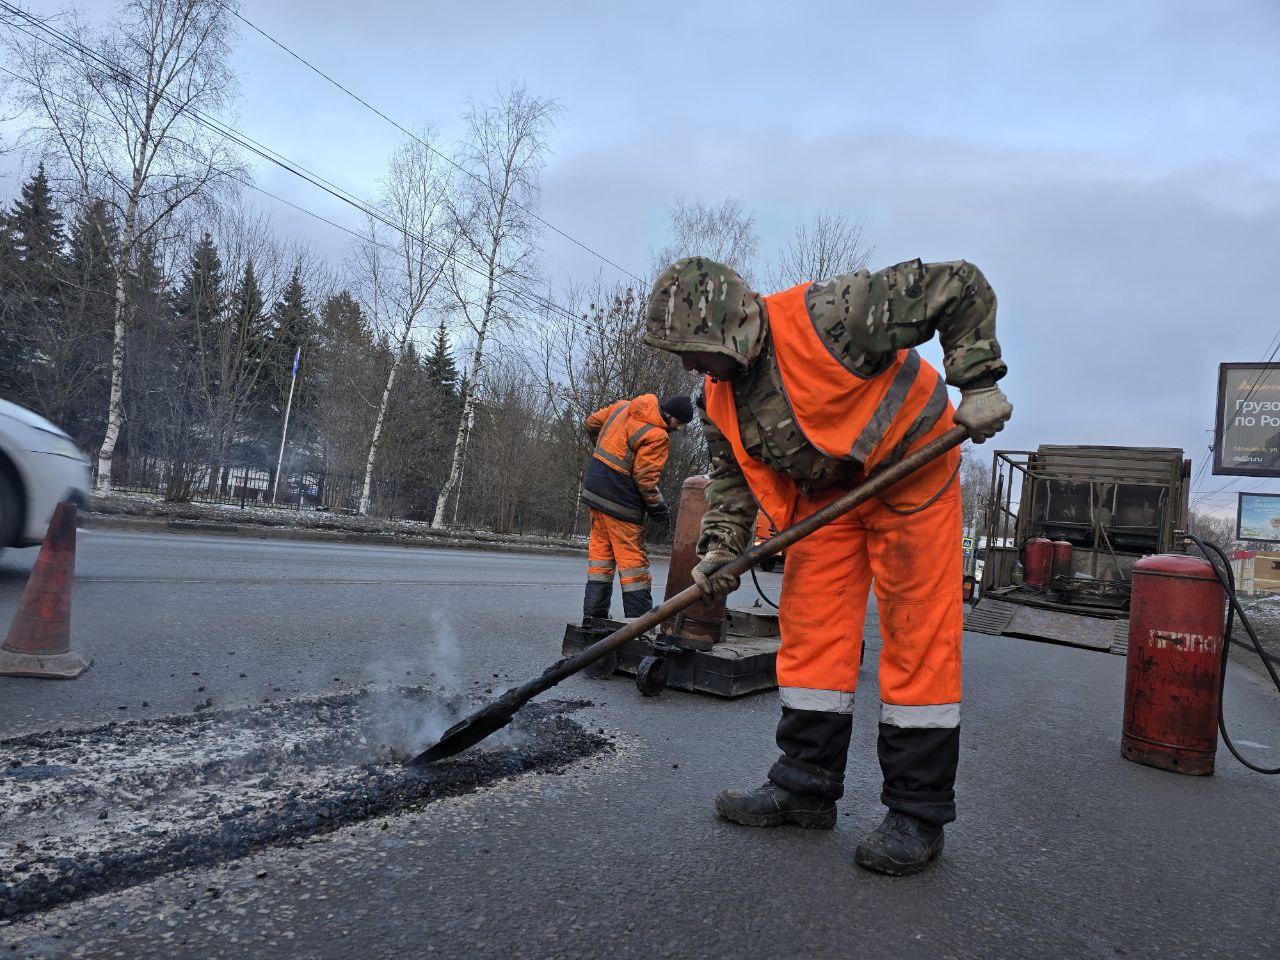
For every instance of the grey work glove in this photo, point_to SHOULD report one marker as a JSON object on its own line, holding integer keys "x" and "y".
{"x": 983, "y": 411}
{"x": 714, "y": 585}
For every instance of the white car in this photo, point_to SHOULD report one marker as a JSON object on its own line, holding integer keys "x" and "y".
{"x": 39, "y": 467}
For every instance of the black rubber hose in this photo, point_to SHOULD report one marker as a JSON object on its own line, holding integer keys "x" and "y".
{"x": 1226, "y": 576}
{"x": 760, "y": 590}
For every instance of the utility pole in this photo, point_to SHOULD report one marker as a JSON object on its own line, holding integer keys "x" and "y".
{"x": 293, "y": 379}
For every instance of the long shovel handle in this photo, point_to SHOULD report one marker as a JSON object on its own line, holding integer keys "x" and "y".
{"x": 873, "y": 485}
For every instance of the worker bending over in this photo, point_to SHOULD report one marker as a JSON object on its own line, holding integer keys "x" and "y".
{"x": 806, "y": 392}
{"x": 632, "y": 439}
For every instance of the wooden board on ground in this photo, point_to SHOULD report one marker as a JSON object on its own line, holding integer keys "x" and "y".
{"x": 1001, "y": 618}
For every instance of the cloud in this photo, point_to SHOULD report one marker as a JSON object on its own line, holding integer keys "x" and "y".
{"x": 1120, "y": 291}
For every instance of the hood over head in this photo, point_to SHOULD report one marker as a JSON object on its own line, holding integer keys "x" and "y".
{"x": 701, "y": 305}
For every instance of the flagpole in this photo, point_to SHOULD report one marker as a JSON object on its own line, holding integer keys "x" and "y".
{"x": 293, "y": 379}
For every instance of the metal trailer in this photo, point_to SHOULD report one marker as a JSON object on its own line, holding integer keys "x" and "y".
{"x": 1114, "y": 505}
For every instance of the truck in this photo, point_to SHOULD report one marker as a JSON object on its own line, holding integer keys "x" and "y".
{"x": 1101, "y": 508}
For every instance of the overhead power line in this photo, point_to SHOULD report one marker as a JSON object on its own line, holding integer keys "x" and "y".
{"x": 116, "y": 72}
{"x": 409, "y": 133}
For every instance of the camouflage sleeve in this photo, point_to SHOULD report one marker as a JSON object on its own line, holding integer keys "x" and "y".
{"x": 904, "y": 305}
{"x": 731, "y": 507}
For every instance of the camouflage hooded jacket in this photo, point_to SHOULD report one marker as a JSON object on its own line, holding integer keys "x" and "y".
{"x": 864, "y": 319}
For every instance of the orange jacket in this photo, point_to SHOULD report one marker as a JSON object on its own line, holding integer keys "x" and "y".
{"x": 844, "y": 416}
{"x": 632, "y": 443}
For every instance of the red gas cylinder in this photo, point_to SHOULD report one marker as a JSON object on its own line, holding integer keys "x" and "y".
{"x": 1062, "y": 556}
{"x": 1037, "y": 563}
{"x": 1174, "y": 672}
{"x": 702, "y": 624}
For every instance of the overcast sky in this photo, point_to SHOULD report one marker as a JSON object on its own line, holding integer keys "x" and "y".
{"x": 1113, "y": 167}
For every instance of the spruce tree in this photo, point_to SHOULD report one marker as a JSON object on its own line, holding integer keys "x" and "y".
{"x": 293, "y": 333}
{"x": 37, "y": 226}
{"x": 245, "y": 351}
{"x": 440, "y": 366}
{"x": 13, "y": 337}
{"x": 81, "y": 347}
{"x": 200, "y": 299}
{"x": 342, "y": 324}
{"x": 293, "y": 328}
{"x": 36, "y": 242}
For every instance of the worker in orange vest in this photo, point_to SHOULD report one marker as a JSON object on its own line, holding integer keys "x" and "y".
{"x": 806, "y": 392}
{"x": 632, "y": 439}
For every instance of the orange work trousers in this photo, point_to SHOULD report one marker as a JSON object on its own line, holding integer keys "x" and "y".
{"x": 912, "y": 554}
{"x": 617, "y": 547}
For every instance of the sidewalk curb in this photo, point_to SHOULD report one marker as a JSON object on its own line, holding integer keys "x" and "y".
{"x": 99, "y": 521}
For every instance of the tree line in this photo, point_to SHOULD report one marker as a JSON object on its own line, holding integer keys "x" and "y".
{"x": 150, "y": 308}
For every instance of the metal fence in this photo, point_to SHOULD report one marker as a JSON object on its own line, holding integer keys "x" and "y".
{"x": 252, "y": 487}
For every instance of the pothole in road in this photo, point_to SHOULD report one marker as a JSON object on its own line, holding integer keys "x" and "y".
{"x": 113, "y": 806}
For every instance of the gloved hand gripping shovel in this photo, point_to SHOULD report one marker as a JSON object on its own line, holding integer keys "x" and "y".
{"x": 496, "y": 715}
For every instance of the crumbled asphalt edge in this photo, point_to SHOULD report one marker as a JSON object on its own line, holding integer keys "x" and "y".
{"x": 553, "y": 742}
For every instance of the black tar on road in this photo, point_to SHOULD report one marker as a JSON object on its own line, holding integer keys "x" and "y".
{"x": 1062, "y": 848}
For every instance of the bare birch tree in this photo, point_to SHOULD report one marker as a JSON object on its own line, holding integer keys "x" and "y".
{"x": 725, "y": 232}
{"x": 408, "y": 247}
{"x": 828, "y": 246}
{"x": 503, "y": 157}
{"x": 116, "y": 110}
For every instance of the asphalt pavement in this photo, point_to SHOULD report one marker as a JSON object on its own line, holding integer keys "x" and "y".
{"x": 1061, "y": 848}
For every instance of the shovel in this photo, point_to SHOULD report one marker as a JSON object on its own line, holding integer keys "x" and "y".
{"x": 494, "y": 716}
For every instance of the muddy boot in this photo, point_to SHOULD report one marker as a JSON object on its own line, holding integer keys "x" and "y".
{"x": 900, "y": 846}
{"x": 774, "y": 806}
{"x": 595, "y": 601}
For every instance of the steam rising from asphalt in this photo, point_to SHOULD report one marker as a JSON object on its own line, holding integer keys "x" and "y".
{"x": 402, "y": 726}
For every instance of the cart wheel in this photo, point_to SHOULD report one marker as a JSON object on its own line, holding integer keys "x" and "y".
{"x": 603, "y": 668}
{"x": 651, "y": 676}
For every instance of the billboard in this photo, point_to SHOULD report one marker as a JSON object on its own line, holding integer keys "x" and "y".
{"x": 1246, "y": 439}
{"x": 1258, "y": 517}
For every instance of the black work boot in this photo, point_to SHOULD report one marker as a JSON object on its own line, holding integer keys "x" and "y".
{"x": 900, "y": 846}
{"x": 595, "y": 601}
{"x": 774, "y": 806}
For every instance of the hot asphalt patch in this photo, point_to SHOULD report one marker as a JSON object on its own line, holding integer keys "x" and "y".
{"x": 116, "y": 805}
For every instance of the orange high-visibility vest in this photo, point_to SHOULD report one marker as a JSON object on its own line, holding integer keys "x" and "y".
{"x": 843, "y": 415}
{"x": 620, "y": 436}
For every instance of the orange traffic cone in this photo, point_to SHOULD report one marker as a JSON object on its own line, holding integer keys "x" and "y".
{"x": 39, "y": 639}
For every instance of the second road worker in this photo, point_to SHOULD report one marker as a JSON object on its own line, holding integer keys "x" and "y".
{"x": 632, "y": 438}
{"x": 806, "y": 392}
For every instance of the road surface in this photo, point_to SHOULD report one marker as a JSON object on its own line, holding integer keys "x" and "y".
{"x": 1061, "y": 849}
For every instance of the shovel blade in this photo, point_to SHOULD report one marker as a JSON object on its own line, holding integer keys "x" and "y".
{"x": 466, "y": 733}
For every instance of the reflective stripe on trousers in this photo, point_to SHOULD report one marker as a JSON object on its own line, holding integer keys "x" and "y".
{"x": 617, "y": 545}
{"x": 808, "y": 698}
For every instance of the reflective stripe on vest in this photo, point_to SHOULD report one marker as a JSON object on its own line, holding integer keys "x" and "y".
{"x": 627, "y": 463}
{"x": 843, "y": 415}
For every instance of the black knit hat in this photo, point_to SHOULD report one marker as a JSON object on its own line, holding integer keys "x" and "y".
{"x": 680, "y": 407}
